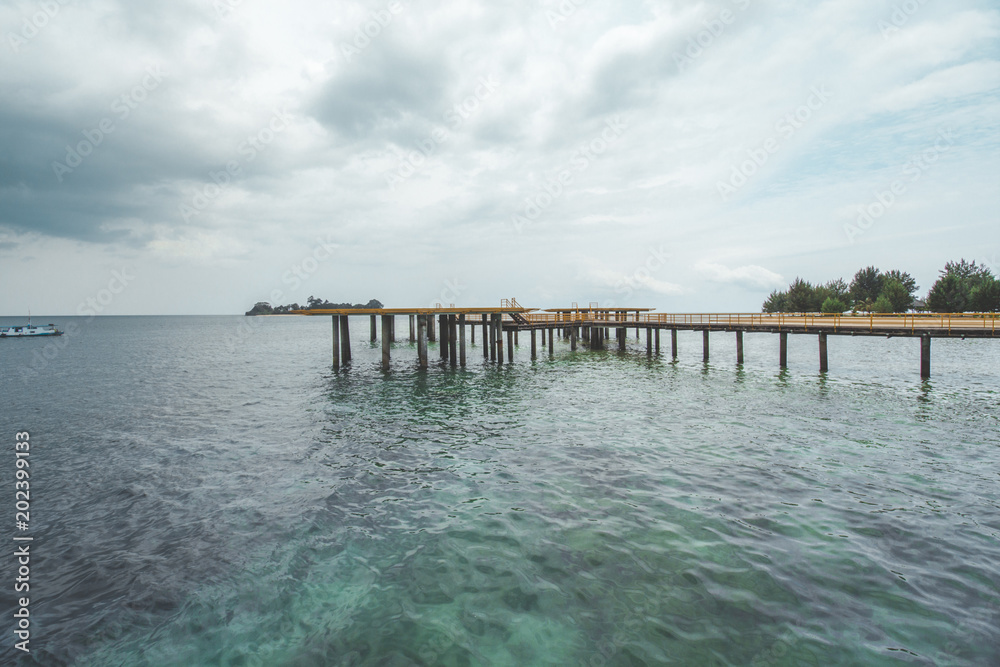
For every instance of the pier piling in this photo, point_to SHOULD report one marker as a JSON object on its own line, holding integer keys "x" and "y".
{"x": 374, "y": 330}
{"x": 824, "y": 364}
{"x": 493, "y": 339}
{"x": 510, "y": 346}
{"x": 386, "y": 340}
{"x": 422, "y": 340}
{"x": 739, "y": 348}
{"x": 498, "y": 323}
{"x": 925, "y": 356}
{"x": 453, "y": 340}
{"x": 345, "y": 339}
{"x": 336, "y": 341}
{"x": 461, "y": 339}
{"x": 657, "y": 342}
{"x": 704, "y": 345}
{"x": 783, "y": 350}
{"x": 551, "y": 345}
{"x": 486, "y": 338}
{"x": 443, "y": 327}
{"x": 413, "y": 332}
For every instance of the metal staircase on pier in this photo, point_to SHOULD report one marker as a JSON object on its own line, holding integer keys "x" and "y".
{"x": 512, "y": 303}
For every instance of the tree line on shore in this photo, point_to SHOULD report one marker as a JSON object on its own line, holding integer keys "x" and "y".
{"x": 962, "y": 287}
{"x": 312, "y": 303}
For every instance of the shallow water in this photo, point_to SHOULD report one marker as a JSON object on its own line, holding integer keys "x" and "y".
{"x": 208, "y": 491}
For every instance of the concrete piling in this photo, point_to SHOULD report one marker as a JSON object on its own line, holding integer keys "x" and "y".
{"x": 443, "y": 326}
{"x": 925, "y": 356}
{"x": 704, "y": 345}
{"x": 453, "y": 340}
{"x": 783, "y": 350}
{"x": 422, "y": 340}
{"x": 386, "y": 340}
{"x": 493, "y": 339}
{"x": 824, "y": 364}
{"x": 336, "y": 340}
{"x": 673, "y": 344}
{"x": 486, "y": 339}
{"x": 499, "y": 326}
{"x": 345, "y": 339}
{"x": 739, "y": 348}
{"x": 461, "y": 339}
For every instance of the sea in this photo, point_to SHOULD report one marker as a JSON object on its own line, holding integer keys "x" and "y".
{"x": 210, "y": 491}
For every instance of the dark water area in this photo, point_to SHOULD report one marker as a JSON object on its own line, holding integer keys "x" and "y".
{"x": 208, "y": 491}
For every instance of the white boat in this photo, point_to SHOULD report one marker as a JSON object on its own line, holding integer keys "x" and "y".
{"x": 29, "y": 330}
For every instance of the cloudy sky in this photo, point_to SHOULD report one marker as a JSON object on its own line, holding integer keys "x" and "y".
{"x": 197, "y": 156}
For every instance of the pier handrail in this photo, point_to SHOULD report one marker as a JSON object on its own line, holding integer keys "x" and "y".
{"x": 799, "y": 321}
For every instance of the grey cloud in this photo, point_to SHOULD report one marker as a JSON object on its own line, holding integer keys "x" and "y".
{"x": 381, "y": 88}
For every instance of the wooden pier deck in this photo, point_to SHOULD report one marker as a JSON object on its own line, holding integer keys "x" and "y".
{"x": 592, "y": 326}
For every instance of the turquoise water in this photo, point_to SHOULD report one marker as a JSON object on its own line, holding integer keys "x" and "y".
{"x": 208, "y": 491}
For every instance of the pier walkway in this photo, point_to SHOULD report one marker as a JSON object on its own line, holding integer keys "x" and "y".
{"x": 592, "y": 326}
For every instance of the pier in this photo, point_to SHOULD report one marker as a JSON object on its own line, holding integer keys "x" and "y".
{"x": 591, "y": 328}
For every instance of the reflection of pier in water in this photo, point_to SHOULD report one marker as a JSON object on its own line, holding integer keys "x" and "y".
{"x": 592, "y": 326}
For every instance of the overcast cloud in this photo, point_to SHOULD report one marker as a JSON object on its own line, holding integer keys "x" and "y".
{"x": 689, "y": 156}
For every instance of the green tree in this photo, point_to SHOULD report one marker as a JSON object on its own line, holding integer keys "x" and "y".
{"x": 776, "y": 302}
{"x": 985, "y": 297}
{"x": 898, "y": 296}
{"x": 905, "y": 279}
{"x": 833, "y": 305}
{"x": 882, "y": 305}
{"x": 802, "y": 297}
{"x": 867, "y": 285}
{"x": 953, "y": 292}
{"x": 840, "y": 290}
{"x": 948, "y": 295}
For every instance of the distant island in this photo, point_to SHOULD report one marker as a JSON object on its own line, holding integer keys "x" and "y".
{"x": 312, "y": 303}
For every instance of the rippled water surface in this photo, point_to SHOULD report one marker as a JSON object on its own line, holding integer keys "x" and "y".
{"x": 207, "y": 491}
